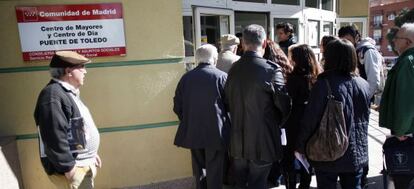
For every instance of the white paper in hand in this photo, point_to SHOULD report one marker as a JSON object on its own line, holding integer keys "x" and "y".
{"x": 302, "y": 159}
{"x": 283, "y": 139}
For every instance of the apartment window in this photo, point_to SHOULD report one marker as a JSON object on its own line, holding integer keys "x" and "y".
{"x": 377, "y": 20}
{"x": 313, "y": 28}
{"x": 286, "y": 2}
{"x": 377, "y": 36}
{"x": 312, "y": 3}
{"x": 253, "y": 1}
{"x": 327, "y": 5}
{"x": 188, "y": 35}
{"x": 391, "y": 16}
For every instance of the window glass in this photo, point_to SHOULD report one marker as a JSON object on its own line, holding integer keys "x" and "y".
{"x": 243, "y": 19}
{"x": 210, "y": 29}
{"x": 378, "y": 20}
{"x": 327, "y": 5}
{"x": 253, "y": 1}
{"x": 286, "y": 2}
{"x": 188, "y": 35}
{"x": 312, "y": 3}
{"x": 327, "y": 28}
{"x": 313, "y": 28}
{"x": 377, "y": 35}
{"x": 293, "y": 21}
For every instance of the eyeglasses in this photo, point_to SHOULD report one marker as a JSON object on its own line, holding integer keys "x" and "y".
{"x": 409, "y": 40}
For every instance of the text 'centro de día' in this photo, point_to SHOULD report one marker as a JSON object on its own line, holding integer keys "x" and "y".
{"x": 78, "y": 13}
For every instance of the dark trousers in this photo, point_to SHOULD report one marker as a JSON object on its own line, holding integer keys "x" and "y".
{"x": 328, "y": 180}
{"x": 364, "y": 179}
{"x": 402, "y": 181}
{"x": 290, "y": 171}
{"x": 251, "y": 174}
{"x": 212, "y": 162}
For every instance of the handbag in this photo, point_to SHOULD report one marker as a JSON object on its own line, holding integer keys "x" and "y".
{"x": 399, "y": 156}
{"x": 330, "y": 140}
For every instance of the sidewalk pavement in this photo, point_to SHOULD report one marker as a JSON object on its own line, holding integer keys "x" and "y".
{"x": 376, "y": 137}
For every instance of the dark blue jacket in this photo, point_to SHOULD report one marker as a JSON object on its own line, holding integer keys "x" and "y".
{"x": 199, "y": 105}
{"x": 353, "y": 92}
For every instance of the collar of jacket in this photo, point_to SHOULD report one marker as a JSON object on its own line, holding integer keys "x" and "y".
{"x": 66, "y": 86}
{"x": 252, "y": 53}
{"x": 407, "y": 52}
{"x": 203, "y": 65}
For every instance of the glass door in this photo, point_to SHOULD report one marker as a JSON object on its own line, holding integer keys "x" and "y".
{"x": 276, "y": 20}
{"x": 210, "y": 24}
{"x": 359, "y": 23}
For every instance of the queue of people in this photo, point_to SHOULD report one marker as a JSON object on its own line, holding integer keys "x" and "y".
{"x": 272, "y": 91}
{"x": 254, "y": 112}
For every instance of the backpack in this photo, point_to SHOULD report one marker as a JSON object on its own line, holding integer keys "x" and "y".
{"x": 362, "y": 72}
{"x": 360, "y": 53}
{"x": 330, "y": 140}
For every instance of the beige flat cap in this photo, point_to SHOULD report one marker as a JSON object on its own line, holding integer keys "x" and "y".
{"x": 63, "y": 59}
{"x": 229, "y": 39}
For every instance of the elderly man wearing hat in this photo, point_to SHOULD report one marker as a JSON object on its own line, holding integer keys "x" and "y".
{"x": 227, "y": 56}
{"x": 68, "y": 137}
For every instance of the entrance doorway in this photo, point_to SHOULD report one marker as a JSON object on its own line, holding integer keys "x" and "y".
{"x": 211, "y": 23}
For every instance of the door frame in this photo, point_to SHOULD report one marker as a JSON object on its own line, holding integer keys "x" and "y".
{"x": 198, "y": 11}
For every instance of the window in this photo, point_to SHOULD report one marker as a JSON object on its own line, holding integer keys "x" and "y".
{"x": 327, "y": 5}
{"x": 327, "y": 28}
{"x": 188, "y": 35}
{"x": 391, "y": 16}
{"x": 243, "y": 19}
{"x": 253, "y": 1}
{"x": 286, "y": 2}
{"x": 377, "y": 20}
{"x": 313, "y": 28}
{"x": 312, "y": 3}
{"x": 293, "y": 21}
{"x": 377, "y": 36}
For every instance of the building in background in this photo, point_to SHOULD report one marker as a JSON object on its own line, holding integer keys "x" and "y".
{"x": 382, "y": 15}
{"x": 205, "y": 21}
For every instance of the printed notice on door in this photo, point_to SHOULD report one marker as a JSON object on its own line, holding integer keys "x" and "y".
{"x": 90, "y": 29}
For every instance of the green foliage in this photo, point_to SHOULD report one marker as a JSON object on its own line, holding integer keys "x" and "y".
{"x": 406, "y": 15}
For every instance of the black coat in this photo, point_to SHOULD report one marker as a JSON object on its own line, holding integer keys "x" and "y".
{"x": 299, "y": 88}
{"x": 53, "y": 111}
{"x": 284, "y": 45}
{"x": 199, "y": 105}
{"x": 353, "y": 92}
{"x": 257, "y": 103}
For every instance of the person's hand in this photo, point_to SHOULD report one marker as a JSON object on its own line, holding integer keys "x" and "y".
{"x": 98, "y": 162}
{"x": 70, "y": 173}
{"x": 402, "y": 138}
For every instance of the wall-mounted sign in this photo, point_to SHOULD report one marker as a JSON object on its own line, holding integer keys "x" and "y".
{"x": 90, "y": 29}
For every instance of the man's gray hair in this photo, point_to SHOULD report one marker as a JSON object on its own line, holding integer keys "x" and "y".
{"x": 57, "y": 73}
{"x": 206, "y": 54}
{"x": 254, "y": 35}
{"x": 408, "y": 30}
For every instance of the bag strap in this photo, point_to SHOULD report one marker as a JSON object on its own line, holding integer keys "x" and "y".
{"x": 330, "y": 95}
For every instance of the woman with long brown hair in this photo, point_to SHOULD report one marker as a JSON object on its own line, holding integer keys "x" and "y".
{"x": 275, "y": 54}
{"x": 299, "y": 84}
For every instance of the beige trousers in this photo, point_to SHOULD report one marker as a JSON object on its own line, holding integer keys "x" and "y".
{"x": 82, "y": 179}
